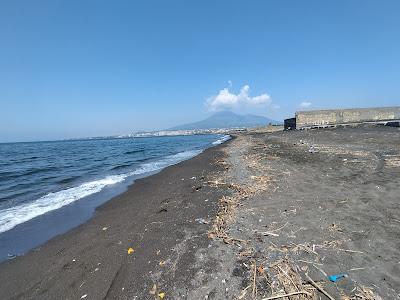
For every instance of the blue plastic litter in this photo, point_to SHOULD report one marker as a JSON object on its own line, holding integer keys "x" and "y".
{"x": 336, "y": 277}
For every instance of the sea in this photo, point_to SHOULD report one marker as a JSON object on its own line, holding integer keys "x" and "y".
{"x": 48, "y": 188}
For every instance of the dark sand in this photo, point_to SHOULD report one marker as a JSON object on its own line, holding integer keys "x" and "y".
{"x": 156, "y": 217}
{"x": 316, "y": 202}
{"x": 292, "y": 204}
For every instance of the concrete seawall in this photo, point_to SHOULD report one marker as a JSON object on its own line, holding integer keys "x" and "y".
{"x": 321, "y": 118}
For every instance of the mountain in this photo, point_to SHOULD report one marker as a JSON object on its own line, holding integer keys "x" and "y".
{"x": 226, "y": 119}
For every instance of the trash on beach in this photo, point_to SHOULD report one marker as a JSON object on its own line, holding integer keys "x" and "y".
{"x": 83, "y": 296}
{"x": 266, "y": 233}
{"x": 313, "y": 149}
{"x": 261, "y": 269}
{"x": 105, "y": 228}
{"x": 153, "y": 290}
{"x": 202, "y": 221}
{"x": 130, "y": 250}
{"x": 336, "y": 277}
{"x": 161, "y": 263}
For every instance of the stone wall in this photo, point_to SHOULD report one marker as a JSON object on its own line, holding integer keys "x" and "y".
{"x": 320, "y": 118}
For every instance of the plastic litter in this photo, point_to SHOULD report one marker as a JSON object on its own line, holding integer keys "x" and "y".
{"x": 313, "y": 149}
{"x": 161, "y": 295}
{"x": 201, "y": 221}
{"x": 130, "y": 250}
{"x": 153, "y": 290}
{"x": 336, "y": 277}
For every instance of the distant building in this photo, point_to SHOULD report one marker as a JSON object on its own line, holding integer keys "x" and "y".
{"x": 289, "y": 124}
{"x": 333, "y": 117}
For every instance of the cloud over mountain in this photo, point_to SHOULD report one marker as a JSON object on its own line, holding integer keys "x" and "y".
{"x": 226, "y": 99}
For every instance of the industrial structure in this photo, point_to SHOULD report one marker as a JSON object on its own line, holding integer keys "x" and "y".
{"x": 334, "y": 117}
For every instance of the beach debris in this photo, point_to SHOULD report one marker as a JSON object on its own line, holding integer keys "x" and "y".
{"x": 244, "y": 292}
{"x": 193, "y": 178}
{"x": 153, "y": 290}
{"x": 201, "y": 221}
{"x": 366, "y": 293}
{"x": 196, "y": 188}
{"x": 84, "y": 296}
{"x": 130, "y": 250}
{"x": 161, "y": 263}
{"x": 266, "y": 233}
{"x": 313, "y": 149}
{"x": 313, "y": 283}
{"x": 350, "y": 251}
{"x": 158, "y": 252}
{"x": 104, "y": 228}
{"x": 254, "y": 280}
{"x": 336, "y": 277}
{"x": 287, "y": 295}
{"x": 335, "y": 227}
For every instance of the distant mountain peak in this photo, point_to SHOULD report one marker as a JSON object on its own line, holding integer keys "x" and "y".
{"x": 227, "y": 119}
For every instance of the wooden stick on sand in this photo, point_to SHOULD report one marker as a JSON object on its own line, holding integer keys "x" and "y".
{"x": 319, "y": 288}
{"x": 286, "y": 295}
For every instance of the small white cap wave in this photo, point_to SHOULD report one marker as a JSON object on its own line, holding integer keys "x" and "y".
{"x": 222, "y": 140}
{"x": 11, "y": 217}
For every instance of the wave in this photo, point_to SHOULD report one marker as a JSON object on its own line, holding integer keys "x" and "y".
{"x": 222, "y": 140}
{"x": 65, "y": 180}
{"x": 121, "y": 166}
{"x": 13, "y": 216}
{"x": 134, "y": 151}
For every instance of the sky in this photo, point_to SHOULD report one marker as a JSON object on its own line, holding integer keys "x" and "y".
{"x": 79, "y": 68}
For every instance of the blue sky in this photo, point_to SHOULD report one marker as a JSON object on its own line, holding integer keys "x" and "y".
{"x": 88, "y": 68}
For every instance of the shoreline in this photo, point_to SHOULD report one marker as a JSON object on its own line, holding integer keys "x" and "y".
{"x": 36, "y": 231}
{"x": 263, "y": 215}
{"x": 120, "y": 223}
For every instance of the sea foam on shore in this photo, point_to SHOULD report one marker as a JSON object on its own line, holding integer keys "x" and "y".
{"x": 222, "y": 140}
{"x": 11, "y": 217}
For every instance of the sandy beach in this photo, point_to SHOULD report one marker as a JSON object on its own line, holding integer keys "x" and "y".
{"x": 156, "y": 217}
{"x": 264, "y": 215}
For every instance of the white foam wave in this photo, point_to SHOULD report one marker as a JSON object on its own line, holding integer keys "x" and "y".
{"x": 222, "y": 140}
{"x": 11, "y": 217}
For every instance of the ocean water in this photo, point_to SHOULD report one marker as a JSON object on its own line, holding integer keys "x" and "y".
{"x": 47, "y": 188}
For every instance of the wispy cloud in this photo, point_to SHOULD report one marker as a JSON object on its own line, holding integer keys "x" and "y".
{"x": 305, "y": 104}
{"x": 225, "y": 99}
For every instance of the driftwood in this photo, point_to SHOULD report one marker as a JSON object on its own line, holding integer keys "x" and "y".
{"x": 287, "y": 295}
{"x": 319, "y": 288}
